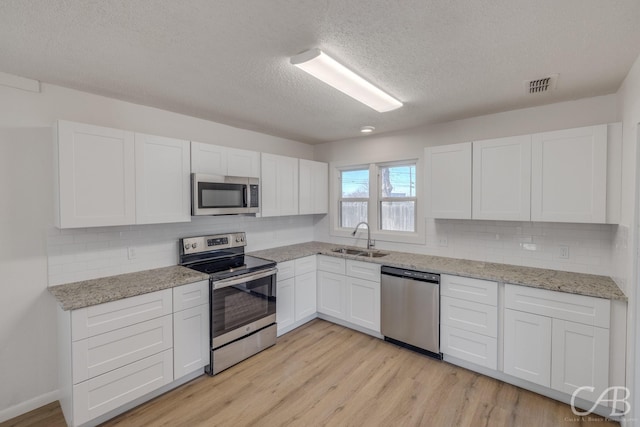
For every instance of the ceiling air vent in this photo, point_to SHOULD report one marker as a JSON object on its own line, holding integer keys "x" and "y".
{"x": 545, "y": 84}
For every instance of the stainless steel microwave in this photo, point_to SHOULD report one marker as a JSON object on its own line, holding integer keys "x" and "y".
{"x": 224, "y": 195}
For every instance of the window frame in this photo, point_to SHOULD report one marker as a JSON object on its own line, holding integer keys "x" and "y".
{"x": 352, "y": 199}
{"x": 374, "y": 206}
{"x": 382, "y": 199}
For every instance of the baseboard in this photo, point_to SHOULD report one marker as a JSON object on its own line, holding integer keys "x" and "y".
{"x": 29, "y": 405}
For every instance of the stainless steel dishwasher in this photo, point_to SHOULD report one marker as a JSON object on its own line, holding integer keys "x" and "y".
{"x": 410, "y": 309}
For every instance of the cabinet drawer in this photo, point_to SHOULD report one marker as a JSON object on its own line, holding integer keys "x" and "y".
{"x": 475, "y": 348}
{"x": 105, "y": 352}
{"x": 104, "y": 393}
{"x": 286, "y": 270}
{"x": 363, "y": 270}
{"x": 469, "y": 316}
{"x": 98, "y": 319}
{"x": 191, "y": 295}
{"x": 476, "y": 290}
{"x": 559, "y": 305}
{"x": 331, "y": 264}
{"x": 305, "y": 265}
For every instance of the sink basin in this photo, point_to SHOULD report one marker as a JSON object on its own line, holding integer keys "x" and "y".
{"x": 347, "y": 251}
{"x": 360, "y": 252}
{"x": 373, "y": 254}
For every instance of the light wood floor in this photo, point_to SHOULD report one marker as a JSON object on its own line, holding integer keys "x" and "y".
{"x": 325, "y": 375}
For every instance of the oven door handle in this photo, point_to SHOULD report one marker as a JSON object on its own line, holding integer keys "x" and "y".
{"x": 232, "y": 281}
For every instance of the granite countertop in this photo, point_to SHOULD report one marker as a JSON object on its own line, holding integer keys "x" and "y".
{"x": 554, "y": 280}
{"x": 72, "y": 296}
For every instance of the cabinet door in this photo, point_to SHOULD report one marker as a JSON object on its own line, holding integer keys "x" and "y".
{"x": 191, "y": 340}
{"x": 502, "y": 179}
{"x": 243, "y": 163}
{"x": 313, "y": 187}
{"x": 363, "y": 303}
{"x": 94, "y": 176}
{"x": 569, "y": 175}
{"x": 475, "y": 348}
{"x": 580, "y": 358}
{"x": 162, "y": 180}
{"x": 331, "y": 294}
{"x": 448, "y": 181}
{"x": 279, "y": 184}
{"x": 527, "y": 346}
{"x": 208, "y": 158}
{"x": 305, "y": 295}
{"x": 285, "y": 303}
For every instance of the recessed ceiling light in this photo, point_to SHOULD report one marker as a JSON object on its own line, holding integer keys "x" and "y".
{"x": 325, "y": 68}
{"x": 367, "y": 129}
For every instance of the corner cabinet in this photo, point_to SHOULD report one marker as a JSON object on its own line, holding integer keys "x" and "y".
{"x": 163, "y": 184}
{"x": 448, "y": 181}
{"x": 279, "y": 185}
{"x": 94, "y": 176}
{"x": 313, "y": 187}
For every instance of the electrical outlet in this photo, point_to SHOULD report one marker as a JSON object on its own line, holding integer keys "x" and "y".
{"x": 131, "y": 252}
{"x": 564, "y": 252}
{"x": 443, "y": 241}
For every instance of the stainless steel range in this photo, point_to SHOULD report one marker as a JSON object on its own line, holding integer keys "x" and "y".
{"x": 242, "y": 293}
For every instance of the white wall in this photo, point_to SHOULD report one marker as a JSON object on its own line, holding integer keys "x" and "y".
{"x": 629, "y": 98}
{"x": 520, "y": 243}
{"x": 28, "y": 377}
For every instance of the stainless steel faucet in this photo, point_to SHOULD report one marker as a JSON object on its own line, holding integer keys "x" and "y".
{"x": 370, "y": 242}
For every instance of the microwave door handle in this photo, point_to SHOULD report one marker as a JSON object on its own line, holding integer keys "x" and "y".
{"x": 244, "y": 197}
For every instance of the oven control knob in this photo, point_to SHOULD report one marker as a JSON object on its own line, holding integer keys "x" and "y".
{"x": 194, "y": 245}
{"x": 186, "y": 246}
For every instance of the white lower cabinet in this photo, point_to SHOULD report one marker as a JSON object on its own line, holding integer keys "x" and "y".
{"x": 190, "y": 328}
{"x": 527, "y": 346}
{"x": 557, "y": 340}
{"x": 331, "y": 294}
{"x": 469, "y": 320}
{"x": 580, "y": 356}
{"x": 295, "y": 293}
{"x": 349, "y": 290}
{"x": 114, "y": 353}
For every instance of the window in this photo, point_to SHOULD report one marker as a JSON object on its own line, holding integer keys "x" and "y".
{"x": 397, "y": 197}
{"x": 384, "y": 195}
{"x": 354, "y": 197}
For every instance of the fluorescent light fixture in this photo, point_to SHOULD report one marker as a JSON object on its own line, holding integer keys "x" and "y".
{"x": 323, "y": 67}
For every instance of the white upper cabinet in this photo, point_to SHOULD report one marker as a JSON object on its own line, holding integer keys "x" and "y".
{"x": 162, "y": 180}
{"x": 448, "y": 181}
{"x": 217, "y": 160}
{"x": 569, "y": 175}
{"x": 279, "y": 185}
{"x": 94, "y": 175}
{"x": 502, "y": 178}
{"x": 314, "y": 187}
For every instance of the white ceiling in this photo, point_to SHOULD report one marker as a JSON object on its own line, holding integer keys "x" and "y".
{"x": 227, "y": 60}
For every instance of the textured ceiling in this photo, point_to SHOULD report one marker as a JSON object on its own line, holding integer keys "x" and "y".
{"x": 227, "y": 60}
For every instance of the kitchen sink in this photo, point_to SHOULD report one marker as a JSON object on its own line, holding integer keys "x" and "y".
{"x": 360, "y": 252}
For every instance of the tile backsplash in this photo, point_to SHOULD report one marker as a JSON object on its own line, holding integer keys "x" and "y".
{"x": 88, "y": 253}
{"x": 588, "y": 247}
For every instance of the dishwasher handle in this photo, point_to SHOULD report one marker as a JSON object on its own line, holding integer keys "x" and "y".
{"x": 411, "y": 274}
